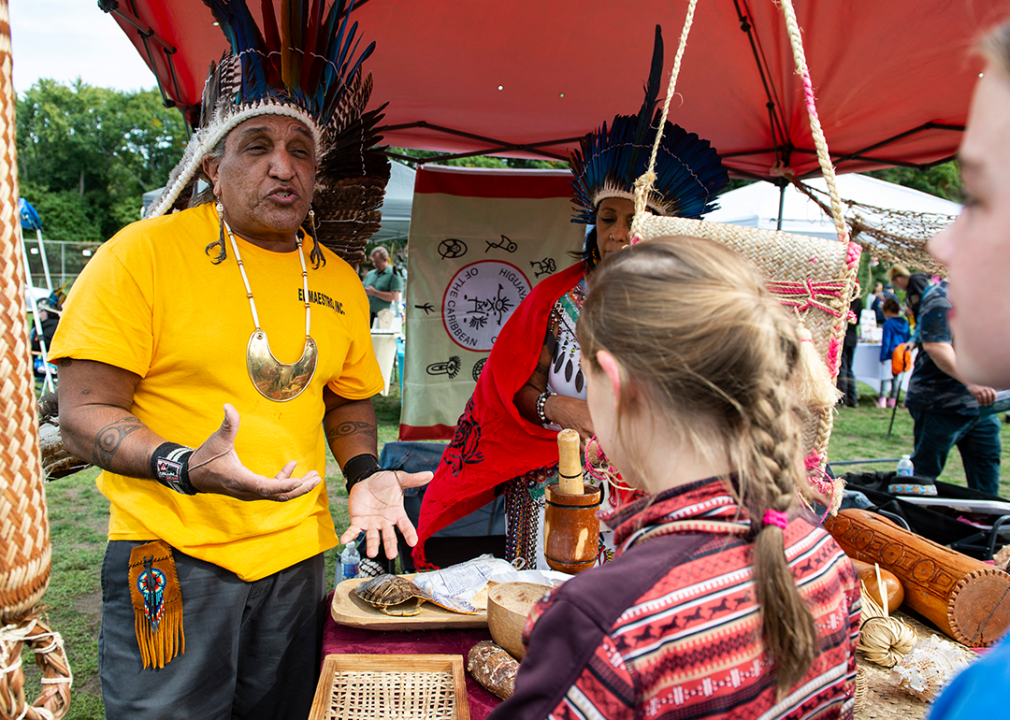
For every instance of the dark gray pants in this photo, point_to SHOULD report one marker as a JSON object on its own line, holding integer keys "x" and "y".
{"x": 252, "y": 649}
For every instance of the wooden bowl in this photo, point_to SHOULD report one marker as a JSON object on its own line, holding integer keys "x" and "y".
{"x": 508, "y": 606}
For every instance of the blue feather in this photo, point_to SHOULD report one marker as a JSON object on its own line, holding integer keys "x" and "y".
{"x": 333, "y": 60}
{"x": 689, "y": 172}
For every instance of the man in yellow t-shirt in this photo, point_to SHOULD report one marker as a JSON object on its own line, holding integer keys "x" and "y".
{"x": 205, "y": 359}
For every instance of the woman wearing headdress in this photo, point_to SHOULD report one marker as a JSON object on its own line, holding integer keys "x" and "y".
{"x": 532, "y": 385}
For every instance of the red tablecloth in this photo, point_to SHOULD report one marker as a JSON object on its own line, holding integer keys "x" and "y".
{"x": 341, "y": 639}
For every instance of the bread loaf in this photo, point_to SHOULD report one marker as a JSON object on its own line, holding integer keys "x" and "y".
{"x": 493, "y": 668}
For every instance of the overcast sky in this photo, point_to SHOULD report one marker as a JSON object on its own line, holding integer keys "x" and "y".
{"x": 67, "y": 39}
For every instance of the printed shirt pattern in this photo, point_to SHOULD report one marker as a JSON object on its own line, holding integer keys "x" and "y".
{"x": 691, "y": 647}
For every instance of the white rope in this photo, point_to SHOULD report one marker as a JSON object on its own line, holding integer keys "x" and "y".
{"x": 688, "y": 22}
{"x": 644, "y": 184}
{"x": 823, "y": 158}
{"x": 14, "y": 634}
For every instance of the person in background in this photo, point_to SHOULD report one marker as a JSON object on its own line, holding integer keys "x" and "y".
{"x": 895, "y": 333}
{"x": 912, "y": 284}
{"x": 846, "y": 377}
{"x": 383, "y": 285}
{"x": 726, "y": 598}
{"x": 875, "y": 300}
{"x": 946, "y": 406}
{"x": 976, "y": 251}
{"x": 49, "y": 319}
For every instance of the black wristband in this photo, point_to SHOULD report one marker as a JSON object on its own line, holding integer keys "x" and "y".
{"x": 358, "y": 468}
{"x": 170, "y": 467}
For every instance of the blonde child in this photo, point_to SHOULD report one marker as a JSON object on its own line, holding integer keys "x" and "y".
{"x": 896, "y": 332}
{"x": 725, "y": 599}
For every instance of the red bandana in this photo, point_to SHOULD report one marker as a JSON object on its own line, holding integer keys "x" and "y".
{"x": 492, "y": 442}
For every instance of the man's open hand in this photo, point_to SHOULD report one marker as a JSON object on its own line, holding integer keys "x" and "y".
{"x": 376, "y": 506}
{"x": 215, "y": 467}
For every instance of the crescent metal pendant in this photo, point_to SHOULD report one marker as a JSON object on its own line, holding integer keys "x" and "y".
{"x": 273, "y": 379}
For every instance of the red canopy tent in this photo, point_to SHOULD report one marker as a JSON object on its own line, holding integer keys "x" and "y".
{"x": 527, "y": 77}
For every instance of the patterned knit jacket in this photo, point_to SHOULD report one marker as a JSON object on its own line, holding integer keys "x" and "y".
{"x": 671, "y": 627}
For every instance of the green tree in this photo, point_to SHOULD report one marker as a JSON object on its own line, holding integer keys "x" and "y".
{"x": 484, "y": 161}
{"x": 942, "y": 180}
{"x": 86, "y": 155}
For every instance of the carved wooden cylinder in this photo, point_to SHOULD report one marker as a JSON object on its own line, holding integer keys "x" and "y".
{"x": 571, "y": 529}
{"x": 964, "y": 597}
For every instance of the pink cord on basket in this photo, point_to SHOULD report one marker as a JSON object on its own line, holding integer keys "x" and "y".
{"x": 833, "y": 359}
{"x": 822, "y": 484}
{"x": 804, "y": 295}
{"x": 808, "y": 93}
{"x": 854, "y": 251}
{"x": 812, "y": 461}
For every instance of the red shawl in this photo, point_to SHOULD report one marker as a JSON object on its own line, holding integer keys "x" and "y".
{"x": 492, "y": 442}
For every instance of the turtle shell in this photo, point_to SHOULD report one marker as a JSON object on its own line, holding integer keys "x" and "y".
{"x": 391, "y": 594}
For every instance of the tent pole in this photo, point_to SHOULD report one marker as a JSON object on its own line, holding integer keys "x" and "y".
{"x": 782, "y": 202}
{"x": 49, "y": 383}
{"x": 45, "y": 260}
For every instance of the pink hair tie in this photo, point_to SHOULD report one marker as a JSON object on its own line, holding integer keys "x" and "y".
{"x": 776, "y": 518}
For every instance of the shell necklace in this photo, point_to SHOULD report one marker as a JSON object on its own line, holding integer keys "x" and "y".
{"x": 274, "y": 379}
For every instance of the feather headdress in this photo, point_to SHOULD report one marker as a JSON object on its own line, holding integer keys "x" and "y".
{"x": 689, "y": 171}
{"x": 306, "y": 66}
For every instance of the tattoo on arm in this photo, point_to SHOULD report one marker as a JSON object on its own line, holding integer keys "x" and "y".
{"x": 64, "y": 362}
{"x": 109, "y": 439}
{"x": 349, "y": 427}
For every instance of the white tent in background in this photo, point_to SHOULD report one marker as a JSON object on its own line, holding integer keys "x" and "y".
{"x": 757, "y": 205}
{"x": 396, "y": 205}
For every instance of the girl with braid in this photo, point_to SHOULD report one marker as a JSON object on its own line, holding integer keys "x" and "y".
{"x": 726, "y": 598}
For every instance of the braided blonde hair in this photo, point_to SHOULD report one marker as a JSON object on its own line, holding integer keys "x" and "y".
{"x": 703, "y": 344}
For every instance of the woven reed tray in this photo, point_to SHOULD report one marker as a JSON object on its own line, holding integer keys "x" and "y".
{"x": 877, "y": 698}
{"x": 391, "y": 687}
{"x": 350, "y": 610}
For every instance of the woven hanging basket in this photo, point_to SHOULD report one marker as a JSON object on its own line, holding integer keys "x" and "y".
{"x": 815, "y": 278}
{"x": 24, "y": 526}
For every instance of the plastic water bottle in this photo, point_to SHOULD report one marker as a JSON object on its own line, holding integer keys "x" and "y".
{"x": 905, "y": 468}
{"x": 349, "y": 560}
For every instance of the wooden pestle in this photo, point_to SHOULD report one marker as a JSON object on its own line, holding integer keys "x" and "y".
{"x": 569, "y": 463}
{"x": 571, "y": 529}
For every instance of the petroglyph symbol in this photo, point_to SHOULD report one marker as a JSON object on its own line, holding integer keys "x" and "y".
{"x": 478, "y": 368}
{"x": 481, "y": 309}
{"x": 503, "y": 244}
{"x": 479, "y": 300}
{"x": 450, "y": 367}
{"x": 543, "y": 267}
{"x": 451, "y": 248}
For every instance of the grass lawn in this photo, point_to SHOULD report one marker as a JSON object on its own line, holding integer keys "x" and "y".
{"x": 861, "y": 433}
{"x": 78, "y": 517}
